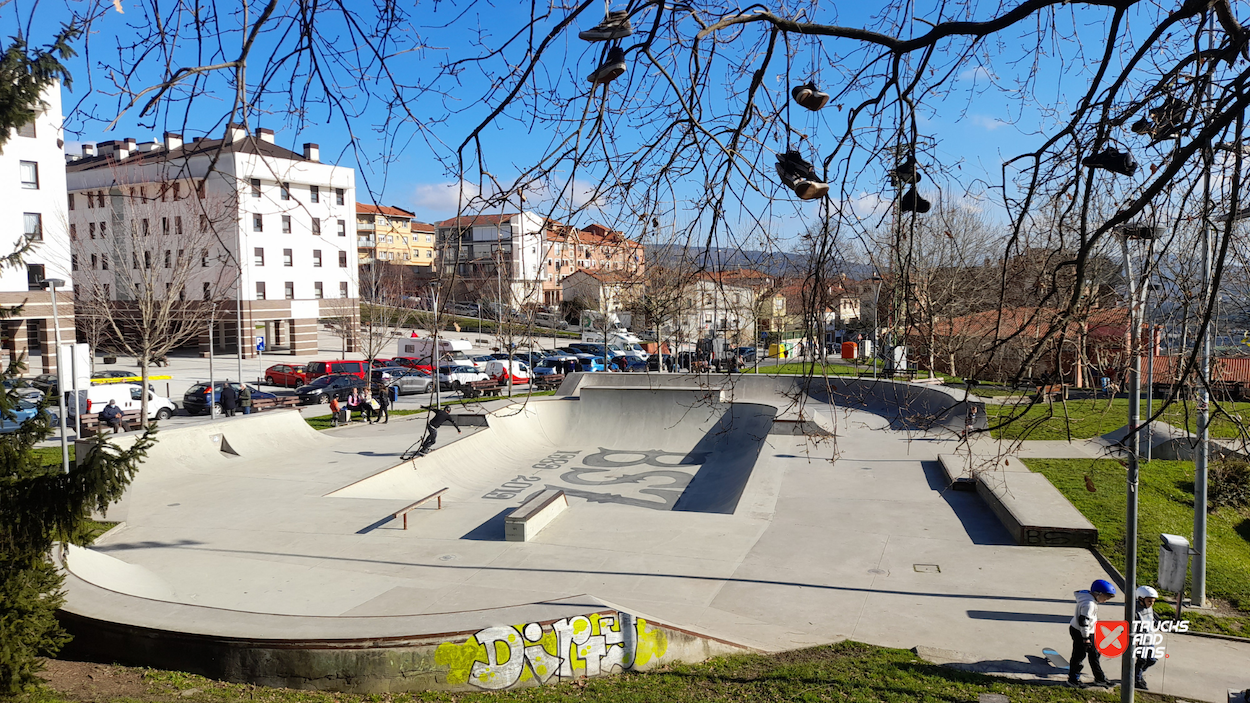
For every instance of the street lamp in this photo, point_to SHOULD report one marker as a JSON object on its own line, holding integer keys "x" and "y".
{"x": 434, "y": 355}
{"x": 52, "y": 284}
{"x": 876, "y": 325}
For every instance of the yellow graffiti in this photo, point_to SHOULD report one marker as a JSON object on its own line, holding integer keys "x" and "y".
{"x": 652, "y": 644}
{"x": 459, "y": 658}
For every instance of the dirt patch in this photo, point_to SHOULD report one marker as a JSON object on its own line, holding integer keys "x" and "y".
{"x": 92, "y": 682}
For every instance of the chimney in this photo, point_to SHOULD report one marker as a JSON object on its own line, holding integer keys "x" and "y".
{"x": 312, "y": 152}
{"x": 148, "y": 147}
{"x": 265, "y": 135}
{"x": 172, "y": 141}
{"x": 121, "y": 148}
{"x": 234, "y": 132}
{"x": 88, "y": 150}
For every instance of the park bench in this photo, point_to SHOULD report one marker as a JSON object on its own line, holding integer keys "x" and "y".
{"x": 403, "y": 512}
{"x": 1052, "y": 391}
{"x": 91, "y": 423}
{"x": 260, "y": 404}
{"x": 549, "y": 382}
{"x": 477, "y": 389}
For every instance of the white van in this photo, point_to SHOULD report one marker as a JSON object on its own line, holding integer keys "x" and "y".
{"x": 128, "y": 397}
{"x": 497, "y": 370}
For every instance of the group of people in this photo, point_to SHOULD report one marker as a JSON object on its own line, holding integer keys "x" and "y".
{"x": 235, "y": 399}
{"x": 1082, "y": 631}
{"x": 373, "y": 405}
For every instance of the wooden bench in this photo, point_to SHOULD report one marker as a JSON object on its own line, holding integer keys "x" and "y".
{"x": 1052, "y": 391}
{"x": 522, "y": 524}
{"x": 260, "y": 404}
{"x": 477, "y": 389}
{"x": 91, "y": 423}
{"x": 549, "y": 382}
{"x": 403, "y": 512}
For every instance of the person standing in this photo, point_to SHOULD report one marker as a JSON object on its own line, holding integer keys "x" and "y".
{"x": 229, "y": 399}
{"x": 245, "y": 399}
{"x": 336, "y": 411}
{"x": 970, "y": 421}
{"x": 1144, "y": 624}
{"x": 1082, "y": 631}
{"x": 384, "y": 403}
{"x": 438, "y": 417}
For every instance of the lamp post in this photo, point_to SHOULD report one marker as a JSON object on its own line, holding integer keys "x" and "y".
{"x": 1132, "y": 443}
{"x": 52, "y": 284}
{"x": 876, "y": 304}
{"x": 434, "y": 354}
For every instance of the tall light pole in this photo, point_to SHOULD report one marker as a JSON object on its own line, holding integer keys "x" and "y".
{"x": 434, "y": 353}
{"x": 52, "y": 284}
{"x": 876, "y": 304}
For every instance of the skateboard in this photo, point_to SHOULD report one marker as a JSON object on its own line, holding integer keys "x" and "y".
{"x": 1056, "y": 659}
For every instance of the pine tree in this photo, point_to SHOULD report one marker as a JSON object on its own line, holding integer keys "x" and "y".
{"x": 41, "y": 505}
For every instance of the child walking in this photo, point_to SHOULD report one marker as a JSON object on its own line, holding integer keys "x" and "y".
{"x": 1146, "y": 597}
{"x": 1082, "y": 631}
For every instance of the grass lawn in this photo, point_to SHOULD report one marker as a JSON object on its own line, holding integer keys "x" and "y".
{"x": 1166, "y": 505}
{"x": 847, "y": 672}
{"x": 1092, "y": 418}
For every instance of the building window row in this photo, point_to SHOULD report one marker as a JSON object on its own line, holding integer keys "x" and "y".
{"x": 288, "y": 290}
{"x": 288, "y": 257}
{"x": 284, "y": 192}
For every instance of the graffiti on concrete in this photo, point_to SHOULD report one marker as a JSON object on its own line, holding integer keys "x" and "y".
{"x": 532, "y": 654}
{"x": 661, "y": 480}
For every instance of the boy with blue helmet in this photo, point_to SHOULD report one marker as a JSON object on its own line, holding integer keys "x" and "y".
{"x": 1082, "y": 631}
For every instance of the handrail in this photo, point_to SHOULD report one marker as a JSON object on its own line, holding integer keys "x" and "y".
{"x": 403, "y": 512}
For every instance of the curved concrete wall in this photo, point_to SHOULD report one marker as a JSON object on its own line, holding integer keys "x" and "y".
{"x": 908, "y": 406}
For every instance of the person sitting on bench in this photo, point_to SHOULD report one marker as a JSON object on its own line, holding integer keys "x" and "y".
{"x": 111, "y": 416}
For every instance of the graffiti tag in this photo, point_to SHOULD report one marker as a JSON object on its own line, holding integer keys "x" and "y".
{"x": 585, "y": 645}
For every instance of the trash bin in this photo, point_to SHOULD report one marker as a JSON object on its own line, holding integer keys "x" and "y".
{"x": 850, "y": 350}
{"x": 1173, "y": 562}
{"x": 394, "y": 393}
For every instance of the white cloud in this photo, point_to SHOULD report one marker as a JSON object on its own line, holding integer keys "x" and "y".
{"x": 976, "y": 73}
{"x": 988, "y": 123}
{"x": 443, "y": 197}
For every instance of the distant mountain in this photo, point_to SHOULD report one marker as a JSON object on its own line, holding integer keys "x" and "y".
{"x": 769, "y": 262}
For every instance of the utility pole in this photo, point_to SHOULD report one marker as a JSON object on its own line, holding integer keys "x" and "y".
{"x": 1198, "y": 586}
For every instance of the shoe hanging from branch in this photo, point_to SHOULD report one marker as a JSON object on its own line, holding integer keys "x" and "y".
{"x": 614, "y": 26}
{"x": 906, "y": 172}
{"x": 809, "y": 96}
{"x": 912, "y": 202}
{"x": 798, "y": 175}
{"x": 1113, "y": 160}
{"x": 611, "y": 68}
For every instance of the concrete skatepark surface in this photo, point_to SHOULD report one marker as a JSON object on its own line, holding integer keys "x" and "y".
{"x": 693, "y": 506}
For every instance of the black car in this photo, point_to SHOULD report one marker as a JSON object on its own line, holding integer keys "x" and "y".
{"x": 195, "y": 400}
{"x": 46, "y": 382}
{"x": 339, "y": 385}
{"x": 631, "y": 364}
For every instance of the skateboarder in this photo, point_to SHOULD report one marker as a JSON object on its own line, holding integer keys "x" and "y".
{"x": 1146, "y": 597}
{"x": 1082, "y": 631}
{"x": 438, "y": 417}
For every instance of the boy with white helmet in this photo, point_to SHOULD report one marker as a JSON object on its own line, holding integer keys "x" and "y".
{"x": 1082, "y": 631}
{"x": 1145, "y": 622}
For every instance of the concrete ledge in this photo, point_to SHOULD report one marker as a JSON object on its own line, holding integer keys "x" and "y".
{"x": 1034, "y": 511}
{"x": 522, "y": 524}
{"x": 958, "y": 472}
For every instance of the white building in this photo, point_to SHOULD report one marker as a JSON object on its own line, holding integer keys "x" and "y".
{"x": 272, "y": 229}
{"x": 34, "y": 197}
{"x": 714, "y": 307}
{"x": 490, "y": 252}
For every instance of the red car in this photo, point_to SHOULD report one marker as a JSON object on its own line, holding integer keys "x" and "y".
{"x": 286, "y": 375}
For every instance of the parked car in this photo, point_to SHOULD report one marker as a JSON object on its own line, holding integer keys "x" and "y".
{"x": 481, "y": 361}
{"x": 286, "y": 375}
{"x": 317, "y": 369}
{"x": 409, "y": 381}
{"x": 452, "y": 377}
{"x": 409, "y": 361}
{"x": 195, "y": 400}
{"x": 46, "y": 382}
{"x": 379, "y": 363}
{"x": 467, "y": 309}
{"x": 112, "y": 373}
{"x": 499, "y": 371}
{"x": 129, "y": 397}
{"x": 323, "y": 388}
{"x": 24, "y": 411}
{"x": 24, "y": 389}
{"x": 630, "y": 364}
{"x": 546, "y": 319}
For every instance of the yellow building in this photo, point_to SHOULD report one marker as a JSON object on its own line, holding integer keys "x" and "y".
{"x": 385, "y": 233}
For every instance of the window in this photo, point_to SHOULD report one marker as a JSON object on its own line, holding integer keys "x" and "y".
{"x": 343, "y": 229}
{"x": 73, "y": 233}
{"x": 169, "y": 288}
{"x": 103, "y": 227}
{"x": 71, "y": 201}
{"x": 208, "y": 291}
{"x": 338, "y": 196}
{"x": 104, "y": 262}
{"x": 288, "y": 289}
{"x": 177, "y": 190}
{"x": 255, "y": 187}
{"x": 108, "y": 291}
{"x": 258, "y": 223}
{"x": 33, "y": 223}
{"x": 318, "y": 290}
{"x": 90, "y": 201}
{"x": 169, "y": 258}
{"x": 34, "y": 276}
{"x": 203, "y": 223}
{"x": 314, "y": 194}
{"x": 429, "y": 254}
{"x": 73, "y": 262}
{"x": 147, "y": 259}
{"x": 260, "y": 290}
{"x": 429, "y": 239}
{"x": 146, "y": 228}
{"x": 407, "y": 256}
{"x": 177, "y": 224}
{"x": 285, "y": 193}
{"x": 30, "y": 175}
{"x": 99, "y": 198}
{"x": 94, "y": 263}
{"x": 342, "y": 259}
{"x": 316, "y": 258}
{"x": 27, "y": 130}
{"x": 258, "y": 256}
{"x": 390, "y": 239}
{"x": 165, "y": 226}
{"x": 204, "y": 261}
{"x": 286, "y": 224}
{"x": 287, "y": 258}
{"x": 343, "y": 289}
{"x": 316, "y": 227}
{"x": 91, "y": 230}
{"x": 182, "y": 293}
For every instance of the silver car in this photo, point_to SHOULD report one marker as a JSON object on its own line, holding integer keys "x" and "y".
{"x": 409, "y": 381}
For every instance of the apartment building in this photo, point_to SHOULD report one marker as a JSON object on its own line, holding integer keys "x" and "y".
{"x": 261, "y": 230}
{"x": 494, "y": 257}
{"x": 34, "y": 191}
{"x": 592, "y": 250}
{"x": 390, "y": 234}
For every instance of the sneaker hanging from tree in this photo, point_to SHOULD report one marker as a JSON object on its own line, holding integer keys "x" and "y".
{"x": 1112, "y": 160}
{"x": 798, "y": 175}
{"x": 614, "y": 26}
{"x": 611, "y": 68}
{"x": 912, "y": 202}
{"x": 809, "y": 96}
{"x": 906, "y": 172}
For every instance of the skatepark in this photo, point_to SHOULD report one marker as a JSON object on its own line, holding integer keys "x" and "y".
{"x": 686, "y": 516}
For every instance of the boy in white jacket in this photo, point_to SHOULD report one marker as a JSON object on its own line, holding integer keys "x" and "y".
{"x": 1146, "y": 597}
{"x": 1082, "y": 631}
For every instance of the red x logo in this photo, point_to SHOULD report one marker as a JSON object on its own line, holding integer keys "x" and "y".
{"x": 1111, "y": 637}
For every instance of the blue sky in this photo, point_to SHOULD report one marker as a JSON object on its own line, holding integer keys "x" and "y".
{"x": 973, "y": 125}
